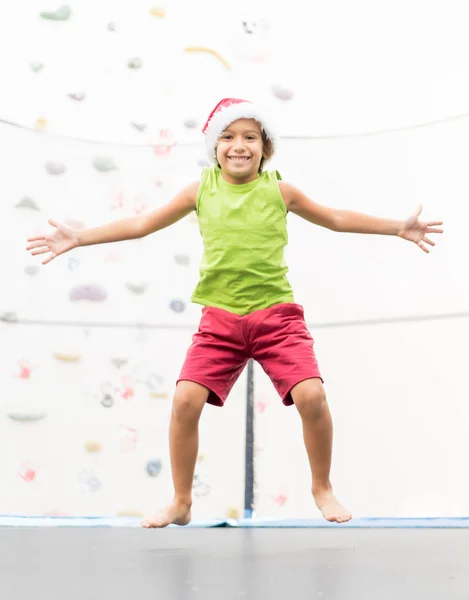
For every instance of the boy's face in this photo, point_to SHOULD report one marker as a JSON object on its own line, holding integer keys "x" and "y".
{"x": 239, "y": 151}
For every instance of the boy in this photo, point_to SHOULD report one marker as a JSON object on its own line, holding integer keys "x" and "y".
{"x": 248, "y": 305}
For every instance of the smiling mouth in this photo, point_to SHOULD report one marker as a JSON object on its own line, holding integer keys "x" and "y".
{"x": 239, "y": 158}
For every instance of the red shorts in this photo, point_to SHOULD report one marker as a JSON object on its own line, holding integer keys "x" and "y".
{"x": 276, "y": 337}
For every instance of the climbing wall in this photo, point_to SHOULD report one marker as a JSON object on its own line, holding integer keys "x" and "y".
{"x": 91, "y": 344}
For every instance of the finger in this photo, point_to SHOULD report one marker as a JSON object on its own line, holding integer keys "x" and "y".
{"x": 422, "y": 246}
{"x": 36, "y": 238}
{"x": 41, "y": 250}
{"x": 433, "y": 223}
{"x": 418, "y": 211}
{"x": 52, "y": 222}
{"x": 428, "y": 241}
{"x": 48, "y": 259}
{"x": 36, "y": 244}
{"x": 433, "y": 230}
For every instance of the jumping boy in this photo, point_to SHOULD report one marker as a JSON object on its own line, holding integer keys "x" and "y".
{"x": 248, "y": 305}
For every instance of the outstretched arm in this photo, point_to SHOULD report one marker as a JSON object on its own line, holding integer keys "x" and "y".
{"x": 63, "y": 238}
{"x": 411, "y": 229}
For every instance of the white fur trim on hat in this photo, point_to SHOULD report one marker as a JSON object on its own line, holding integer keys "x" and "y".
{"x": 225, "y": 116}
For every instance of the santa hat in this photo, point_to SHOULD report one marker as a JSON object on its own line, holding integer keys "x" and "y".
{"x": 229, "y": 110}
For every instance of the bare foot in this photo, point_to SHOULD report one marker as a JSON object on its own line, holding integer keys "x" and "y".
{"x": 331, "y": 509}
{"x": 177, "y": 513}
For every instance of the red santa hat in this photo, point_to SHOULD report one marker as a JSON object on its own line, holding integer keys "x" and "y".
{"x": 229, "y": 110}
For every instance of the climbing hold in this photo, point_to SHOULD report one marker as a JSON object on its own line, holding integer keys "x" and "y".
{"x": 119, "y": 362}
{"x": 135, "y": 288}
{"x": 135, "y": 63}
{"x": 181, "y": 259}
{"x": 93, "y": 292}
{"x": 111, "y": 26}
{"x": 78, "y": 96}
{"x": 9, "y": 317}
{"x": 67, "y": 356}
{"x": 31, "y": 270}
{"x": 28, "y": 471}
{"x": 158, "y": 11}
{"x": 190, "y": 123}
{"x": 177, "y": 306}
{"x": 73, "y": 263}
{"x": 36, "y": 66}
{"x": 93, "y": 446}
{"x": 27, "y": 202}
{"x": 61, "y": 14}
{"x": 155, "y": 394}
{"x": 208, "y": 51}
{"x": 104, "y": 164}
{"x": 200, "y": 487}
{"x": 282, "y": 93}
{"x": 139, "y": 126}
{"x": 55, "y": 168}
{"x": 29, "y": 417}
{"x": 233, "y": 513}
{"x": 154, "y": 468}
{"x": 107, "y": 400}
{"x": 40, "y": 124}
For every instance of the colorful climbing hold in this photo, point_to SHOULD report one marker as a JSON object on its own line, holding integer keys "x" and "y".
{"x": 177, "y": 306}
{"x": 119, "y": 362}
{"x": 61, "y": 14}
{"x": 93, "y": 446}
{"x": 27, "y": 202}
{"x": 93, "y": 292}
{"x": 67, "y": 356}
{"x": 158, "y": 11}
{"x": 282, "y": 93}
{"x": 135, "y": 63}
{"x": 139, "y": 126}
{"x": 214, "y": 53}
{"x": 27, "y": 417}
{"x": 191, "y": 123}
{"x": 78, "y": 96}
{"x": 55, "y": 168}
{"x": 40, "y": 124}
{"x": 9, "y": 317}
{"x": 233, "y": 513}
{"x": 136, "y": 288}
{"x": 154, "y": 467}
{"x": 104, "y": 164}
{"x": 36, "y": 66}
{"x": 181, "y": 259}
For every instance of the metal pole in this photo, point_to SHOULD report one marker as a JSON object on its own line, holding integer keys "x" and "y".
{"x": 249, "y": 451}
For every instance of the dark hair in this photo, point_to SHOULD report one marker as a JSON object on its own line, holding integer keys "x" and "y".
{"x": 267, "y": 149}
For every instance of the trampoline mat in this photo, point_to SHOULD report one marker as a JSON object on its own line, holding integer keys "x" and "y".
{"x": 224, "y": 564}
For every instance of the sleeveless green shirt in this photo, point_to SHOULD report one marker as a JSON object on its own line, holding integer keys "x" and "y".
{"x": 244, "y": 234}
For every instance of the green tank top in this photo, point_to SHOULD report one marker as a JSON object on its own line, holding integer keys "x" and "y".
{"x": 244, "y": 233}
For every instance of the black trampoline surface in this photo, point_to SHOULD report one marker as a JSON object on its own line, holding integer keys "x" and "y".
{"x": 224, "y": 564}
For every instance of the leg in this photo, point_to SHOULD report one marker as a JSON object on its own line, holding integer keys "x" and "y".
{"x": 188, "y": 403}
{"x": 310, "y": 400}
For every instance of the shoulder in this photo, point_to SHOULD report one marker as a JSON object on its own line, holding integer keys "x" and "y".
{"x": 289, "y": 193}
{"x": 188, "y": 194}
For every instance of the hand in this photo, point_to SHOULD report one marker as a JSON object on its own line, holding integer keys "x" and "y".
{"x": 57, "y": 242}
{"x": 416, "y": 231}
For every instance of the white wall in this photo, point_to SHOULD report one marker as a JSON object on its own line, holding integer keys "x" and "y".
{"x": 396, "y": 389}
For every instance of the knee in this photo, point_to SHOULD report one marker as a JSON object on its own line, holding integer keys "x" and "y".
{"x": 186, "y": 407}
{"x": 311, "y": 401}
